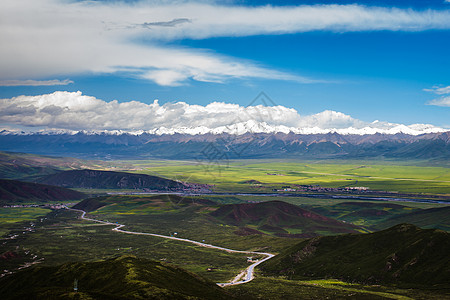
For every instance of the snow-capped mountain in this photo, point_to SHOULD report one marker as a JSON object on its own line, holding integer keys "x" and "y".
{"x": 214, "y": 145}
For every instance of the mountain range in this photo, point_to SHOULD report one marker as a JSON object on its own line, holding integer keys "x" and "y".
{"x": 230, "y": 146}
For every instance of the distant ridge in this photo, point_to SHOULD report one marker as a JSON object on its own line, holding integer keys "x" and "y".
{"x": 247, "y": 145}
{"x": 94, "y": 179}
{"x": 17, "y": 192}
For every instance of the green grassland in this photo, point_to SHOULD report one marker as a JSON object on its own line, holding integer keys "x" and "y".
{"x": 168, "y": 214}
{"x": 307, "y": 201}
{"x": 282, "y": 289}
{"x": 62, "y": 238}
{"x": 230, "y": 175}
{"x": 11, "y": 215}
{"x": 20, "y": 214}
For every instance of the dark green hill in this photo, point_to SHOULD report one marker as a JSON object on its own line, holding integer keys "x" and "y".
{"x": 93, "y": 179}
{"x": 125, "y": 277}
{"x": 438, "y": 218}
{"x": 403, "y": 254}
{"x": 16, "y": 192}
{"x": 280, "y": 218}
{"x": 157, "y": 203}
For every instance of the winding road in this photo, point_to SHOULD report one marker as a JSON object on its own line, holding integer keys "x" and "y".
{"x": 244, "y": 277}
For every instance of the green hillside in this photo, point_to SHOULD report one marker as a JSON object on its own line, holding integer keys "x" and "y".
{"x": 125, "y": 277}
{"x": 16, "y": 192}
{"x": 438, "y": 218}
{"x": 152, "y": 204}
{"x": 402, "y": 254}
{"x": 280, "y": 218}
{"x": 94, "y": 179}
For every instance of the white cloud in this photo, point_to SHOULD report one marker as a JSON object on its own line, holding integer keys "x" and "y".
{"x": 444, "y": 100}
{"x": 34, "y": 82}
{"x": 439, "y": 90}
{"x": 74, "y": 111}
{"x": 43, "y": 38}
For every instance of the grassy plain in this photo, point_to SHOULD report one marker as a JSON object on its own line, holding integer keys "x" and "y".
{"x": 231, "y": 175}
{"x": 11, "y": 215}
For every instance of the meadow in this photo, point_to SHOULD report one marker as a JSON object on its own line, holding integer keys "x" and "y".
{"x": 281, "y": 289}
{"x": 232, "y": 175}
{"x": 61, "y": 237}
{"x": 11, "y": 215}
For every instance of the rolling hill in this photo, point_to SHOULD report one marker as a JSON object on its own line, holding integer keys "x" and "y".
{"x": 403, "y": 254}
{"x": 125, "y": 277}
{"x": 280, "y": 218}
{"x": 17, "y": 192}
{"x": 158, "y": 202}
{"x": 94, "y": 179}
{"x": 438, "y": 218}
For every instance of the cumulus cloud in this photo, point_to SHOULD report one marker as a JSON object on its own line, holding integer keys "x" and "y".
{"x": 31, "y": 82}
{"x": 442, "y": 101}
{"x": 44, "y": 38}
{"x": 75, "y": 111}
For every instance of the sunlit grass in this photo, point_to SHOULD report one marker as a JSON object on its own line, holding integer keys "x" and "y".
{"x": 231, "y": 175}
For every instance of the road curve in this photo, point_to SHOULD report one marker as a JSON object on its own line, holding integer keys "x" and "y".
{"x": 244, "y": 277}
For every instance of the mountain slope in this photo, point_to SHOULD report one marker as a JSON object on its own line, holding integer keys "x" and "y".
{"x": 125, "y": 277}
{"x": 401, "y": 254}
{"x": 280, "y": 218}
{"x": 93, "y": 179}
{"x": 16, "y": 192}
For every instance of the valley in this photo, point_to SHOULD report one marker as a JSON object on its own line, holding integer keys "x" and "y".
{"x": 224, "y": 149}
{"x": 219, "y": 224}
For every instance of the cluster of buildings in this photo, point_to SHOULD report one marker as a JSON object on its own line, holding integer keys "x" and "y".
{"x": 321, "y": 189}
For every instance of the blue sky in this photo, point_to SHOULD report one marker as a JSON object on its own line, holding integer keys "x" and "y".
{"x": 374, "y": 60}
